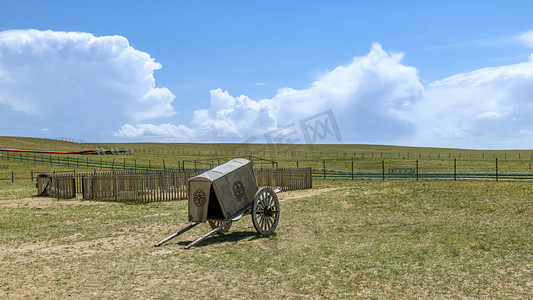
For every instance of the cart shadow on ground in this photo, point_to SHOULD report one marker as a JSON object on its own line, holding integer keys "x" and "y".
{"x": 234, "y": 236}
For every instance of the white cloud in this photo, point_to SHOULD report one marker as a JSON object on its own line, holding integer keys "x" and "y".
{"x": 487, "y": 108}
{"x": 156, "y": 131}
{"x": 490, "y": 115}
{"x": 376, "y": 99}
{"x": 368, "y": 92}
{"x": 526, "y": 38}
{"x": 228, "y": 119}
{"x": 78, "y": 81}
{"x": 91, "y": 86}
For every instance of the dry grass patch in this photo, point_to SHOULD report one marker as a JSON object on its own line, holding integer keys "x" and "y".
{"x": 343, "y": 239}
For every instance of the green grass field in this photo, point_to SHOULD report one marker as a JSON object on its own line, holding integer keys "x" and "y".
{"x": 371, "y": 159}
{"x": 342, "y": 239}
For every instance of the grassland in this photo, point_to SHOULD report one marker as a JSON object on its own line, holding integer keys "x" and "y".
{"x": 342, "y": 239}
{"x": 364, "y": 158}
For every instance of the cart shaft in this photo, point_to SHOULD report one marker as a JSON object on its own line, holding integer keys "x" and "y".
{"x": 176, "y": 234}
{"x": 230, "y": 219}
{"x": 208, "y": 234}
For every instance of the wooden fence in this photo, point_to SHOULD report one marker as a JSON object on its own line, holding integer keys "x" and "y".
{"x": 148, "y": 187}
{"x": 153, "y": 186}
{"x": 60, "y": 186}
{"x": 286, "y": 178}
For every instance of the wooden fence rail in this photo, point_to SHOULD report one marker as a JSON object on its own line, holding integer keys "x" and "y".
{"x": 150, "y": 187}
{"x": 60, "y": 186}
{"x": 286, "y": 178}
{"x": 144, "y": 187}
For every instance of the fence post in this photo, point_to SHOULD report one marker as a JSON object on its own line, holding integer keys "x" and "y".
{"x": 383, "y": 169}
{"x": 455, "y": 169}
{"x": 324, "y": 168}
{"x": 496, "y": 169}
{"x": 12, "y": 177}
{"x": 417, "y": 170}
{"x": 352, "y": 169}
{"x": 31, "y": 176}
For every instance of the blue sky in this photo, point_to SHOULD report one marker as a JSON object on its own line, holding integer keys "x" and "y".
{"x": 421, "y": 73}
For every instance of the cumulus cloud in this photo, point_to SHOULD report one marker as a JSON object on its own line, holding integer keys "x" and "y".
{"x": 157, "y": 131}
{"x": 76, "y": 82}
{"x": 371, "y": 91}
{"x": 526, "y": 38}
{"x": 79, "y": 81}
{"x": 486, "y": 108}
{"x": 228, "y": 118}
{"x": 377, "y": 99}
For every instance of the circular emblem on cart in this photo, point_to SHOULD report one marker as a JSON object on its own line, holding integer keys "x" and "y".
{"x": 199, "y": 198}
{"x": 238, "y": 189}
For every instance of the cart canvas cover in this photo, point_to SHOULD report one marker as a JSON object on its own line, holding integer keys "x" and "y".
{"x": 219, "y": 193}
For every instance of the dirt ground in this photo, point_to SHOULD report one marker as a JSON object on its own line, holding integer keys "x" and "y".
{"x": 40, "y": 203}
{"x": 46, "y": 202}
{"x": 372, "y": 239}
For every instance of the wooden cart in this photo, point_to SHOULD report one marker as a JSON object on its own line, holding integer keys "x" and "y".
{"x": 225, "y": 194}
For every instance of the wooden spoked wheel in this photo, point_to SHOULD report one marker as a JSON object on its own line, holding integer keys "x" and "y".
{"x": 215, "y": 223}
{"x": 265, "y": 212}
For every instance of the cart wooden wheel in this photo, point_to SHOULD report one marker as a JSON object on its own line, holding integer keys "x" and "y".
{"x": 215, "y": 223}
{"x": 265, "y": 212}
